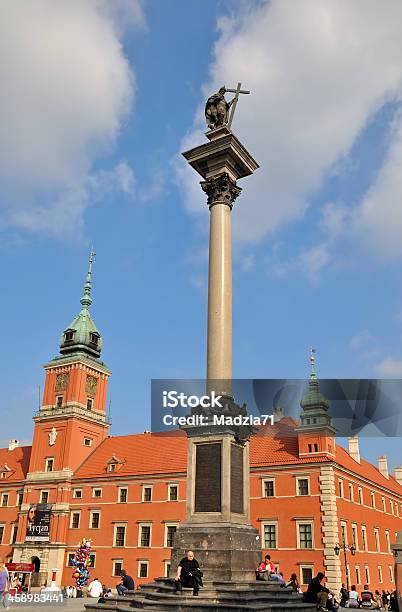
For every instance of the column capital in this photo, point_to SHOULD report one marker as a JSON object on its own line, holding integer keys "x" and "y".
{"x": 221, "y": 190}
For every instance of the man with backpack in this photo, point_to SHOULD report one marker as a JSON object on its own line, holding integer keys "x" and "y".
{"x": 366, "y": 598}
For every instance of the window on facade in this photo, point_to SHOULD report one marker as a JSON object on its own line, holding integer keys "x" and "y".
{"x": 354, "y": 537}
{"x": 351, "y": 497}
{"x": 59, "y": 401}
{"x": 310, "y": 448}
{"x": 112, "y": 467}
{"x": 379, "y": 573}
{"x": 391, "y": 573}
{"x": 173, "y": 492}
{"x": 68, "y": 336}
{"x": 384, "y": 507}
{"x": 1, "y": 533}
{"x": 391, "y": 506}
{"x": 270, "y": 535}
{"x": 89, "y": 403}
{"x": 360, "y": 494}
{"x": 49, "y": 464}
{"x": 306, "y": 575}
{"x": 97, "y": 492}
{"x": 372, "y": 500}
{"x": 145, "y": 536}
{"x": 87, "y": 442}
{"x": 117, "y": 567}
{"x": 44, "y": 497}
{"x": 143, "y": 569}
{"x": 147, "y": 494}
{"x": 4, "y": 500}
{"x": 14, "y": 534}
{"x": 387, "y": 541}
{"x": 357, "y": 574}
{"x": 92, "y": 560}
{"x": 269, "y": 488}
{"x": 316, "y": 448}
{"x": 120, "y": 535}
{"x": 93, "y": 339}
{"x": 123, "y": 495}
{"x": 344, "y": 533}
{"x": 170, "y": 531}
{"x": 367, "y": 574}
{"x": 75, "y": 520}
{"x": 167, "y": 569}
{"x": 377, "y": 540}
{"x": 77, "y": 494}
{"x": 364, "y": 538}
{"x": 95, "y": 519}
{"x": 340, "y": 487}
{"x": 20, "y": 498}
{"x": 306, "y": 535}
{"x": 302, "y": 486}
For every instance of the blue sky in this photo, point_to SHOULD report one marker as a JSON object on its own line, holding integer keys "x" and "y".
{"x": 91, "y": 139}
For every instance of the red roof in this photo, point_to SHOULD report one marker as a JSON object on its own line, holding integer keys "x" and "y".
{"x": 17, "y": 460}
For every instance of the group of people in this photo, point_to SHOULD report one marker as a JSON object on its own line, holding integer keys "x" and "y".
{"x": 102, "y": 592}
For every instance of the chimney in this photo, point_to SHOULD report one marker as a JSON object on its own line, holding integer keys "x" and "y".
{"x": 12, "y": 444}
{"x": 398, "y": 474}
{"x": 383, "y": 465}
{"x": 278, "y": 414}
{"x": 354, "y": 450}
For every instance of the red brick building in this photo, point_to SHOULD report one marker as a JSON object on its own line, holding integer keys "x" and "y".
{"x": 127, "y": 493}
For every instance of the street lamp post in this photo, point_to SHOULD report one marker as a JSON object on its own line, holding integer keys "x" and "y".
{"x": 345, "y": 548}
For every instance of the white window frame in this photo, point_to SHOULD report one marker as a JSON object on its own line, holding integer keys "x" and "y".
{"x": 114, "y": 567}
{"x": 384, "y": 505}
{"x": 377, "y": 543}
{"x": 264, "y": 480}
{"x": 360, "y": 496}
{"x": 142, "y": 562}
{"x": 75, "y": 496}
{"x": 356, "y": 538}
{"x": 14, "y": 529}
{"x": 2, "y": 525}
{"x": 90, "y": 403}
{"x": 165, "y": 544}
{"x": 380, "y": 576}
{"x": 367, "y": 574}
{"x": 373, "y": 500}
{"x": 309, "y": 566}
{"x": 90, "y": 442}
{"x": 57, "y": 404}
{"x": 341, "y": 489}
{"x": 298, "y": 478}
{"x": 3, "y": 496}
{"x": 72, "y": 555}
{"x": 20, "y": 495}
{"x": 146, "y": 486}
{"x": 387, "y": 541}
{"x": 40, "y": 497}
{"x": 364, "y": 539}
{"x": 391, "y": 505}
{"x": 71, "y": 518}
{"x": 140, "y": 526}
{"x": 176, "y": 486}
{"x": 91, "y": 513}
{"x": 351, "y": 492}
{"x": 391, "y": 572}
{"x": 116, "y": 525}
{"x": 263, "y": 525}
{"x": 167, "y": 565}
{"x": 305, "y": 522}
{"x": 47, "y": 459}
{"x": 97, "y": 489}
{"x": 118, "y": 495}
{"x": 345, "y": 536}
{"x": 358, "y": 575}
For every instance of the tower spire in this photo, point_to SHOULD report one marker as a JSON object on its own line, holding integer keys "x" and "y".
{"x": 86, "y": 299}
{"x": 313, "y": 375}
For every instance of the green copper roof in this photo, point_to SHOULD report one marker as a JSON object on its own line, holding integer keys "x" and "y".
{"x": 314, "y": 404}
{"x": 82, "y": 334}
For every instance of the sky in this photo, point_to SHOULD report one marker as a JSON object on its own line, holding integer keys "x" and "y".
{"x": 98, "y": 101}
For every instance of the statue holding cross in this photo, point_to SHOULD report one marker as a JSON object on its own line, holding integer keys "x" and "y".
{"x": 218, "y": 111}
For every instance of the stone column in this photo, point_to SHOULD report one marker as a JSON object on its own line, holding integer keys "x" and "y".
{"x": 397, "y": 550}
{"x": 221, "y": 192}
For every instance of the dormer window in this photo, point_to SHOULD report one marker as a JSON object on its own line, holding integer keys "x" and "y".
{"x": 93, "y": 339}
{"x": 59, "y": 401}
{"x": 112, "y": 467}
{"x": 69, "y": 335}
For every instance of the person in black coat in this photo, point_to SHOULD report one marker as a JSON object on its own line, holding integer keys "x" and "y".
{"x": 317, "y": 593}
{"x": 189, "y": 574}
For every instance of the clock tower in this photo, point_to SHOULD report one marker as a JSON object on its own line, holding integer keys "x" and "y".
{"x": 69, "y": 425}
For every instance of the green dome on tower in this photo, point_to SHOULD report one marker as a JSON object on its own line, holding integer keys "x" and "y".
{"x": 314, "y": 404}
{"x": 82, "y": 335}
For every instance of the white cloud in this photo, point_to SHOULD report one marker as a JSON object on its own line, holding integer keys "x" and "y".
{"x": 67, "y": 87}
{"x": 310, "y": 262}
{"x": 317, "y": 72}
{"x": 389, "y": 368}
{"x": 360, "y": 339}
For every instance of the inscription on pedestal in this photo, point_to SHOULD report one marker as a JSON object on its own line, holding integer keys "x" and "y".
{"x": 208, "y": 477}
{"x": 236, "y": 479}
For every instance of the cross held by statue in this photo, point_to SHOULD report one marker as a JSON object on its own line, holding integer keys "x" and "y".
{"x": 236, "y": 91}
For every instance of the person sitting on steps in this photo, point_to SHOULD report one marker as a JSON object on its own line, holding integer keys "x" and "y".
{"x": 189, "y": 574}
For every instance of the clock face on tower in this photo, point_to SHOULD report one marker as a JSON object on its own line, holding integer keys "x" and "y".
{"x": 91, "y": 385}
{"x": 61, "y": 383}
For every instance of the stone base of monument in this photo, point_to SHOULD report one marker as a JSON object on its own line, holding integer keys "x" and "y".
{"x": 223, "y": 551}
{"x": 215, "y": 596}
